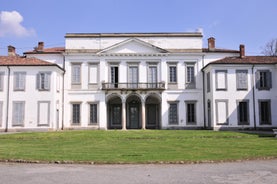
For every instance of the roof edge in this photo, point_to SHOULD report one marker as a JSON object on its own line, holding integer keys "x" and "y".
{"x": 161, "y": 34}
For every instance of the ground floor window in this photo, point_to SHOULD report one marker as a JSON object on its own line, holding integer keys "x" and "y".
{"x": 76, "y": 107}
{"x": 173, "y": 113}
{"x": 243, "y": 113}
{"x": 191, "y": 112}
{"x": 93, "y": 114}
{"x": 265, "y": 112}
{"x": 18, "y": 113}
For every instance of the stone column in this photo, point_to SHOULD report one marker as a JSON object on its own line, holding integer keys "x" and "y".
{"x": 143, "y": 115}
{"x": 123, "y": 115}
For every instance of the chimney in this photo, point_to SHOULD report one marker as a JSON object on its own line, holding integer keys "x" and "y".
{"x": 40, "y": 46}
{"x": 211, "y": 43}
{"x": 11, "y": 51}
{"x": 242, "y": 51}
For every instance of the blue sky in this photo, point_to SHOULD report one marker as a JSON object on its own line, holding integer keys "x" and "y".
{"x": 232, "y": 22}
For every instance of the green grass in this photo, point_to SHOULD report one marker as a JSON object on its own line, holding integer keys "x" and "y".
{"x": 168, "y": 146}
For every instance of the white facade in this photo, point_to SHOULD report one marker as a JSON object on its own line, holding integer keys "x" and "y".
{"x": 142, "y": 81}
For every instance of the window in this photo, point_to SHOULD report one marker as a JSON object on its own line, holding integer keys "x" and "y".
{"x": 133, "y": 77}
{"x": 190, "y": 76}
{"x": 243, "y": 113}
{"x": 76, "y": 74}
{"x": 263, "y": 80}
{"x": 1, "y": 80}
{"x": 172, "y": 74}
{"x": 1, "y": 113}
{"x": 242, "y": 79}
{"x": 18, "y": 113}
{"x": 93, "y": 73}
{"x": 265, "y": 112}
{"x": 152, "y": 76}
{"x": 208, "y": 82}
{"x": 43, "y": 113}
{"x": 173, "y": 113}
{"x": 93, "y": 114}
{"x": 76, "y": 113}
{"x": 221, "y": 112}
{"x": 114, "y": 76}
{"x": 221, "y": 80}
{"x": 19, "y": 81}
{"x": 191, "y": 112}
{"x": 43, "y": 81}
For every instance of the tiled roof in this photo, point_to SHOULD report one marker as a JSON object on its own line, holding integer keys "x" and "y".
{"x": 247, "y": 60}
{"x": 220, "y": 50}
{"x": 54, "y": 50}
{"x": 251, "y": 60}
{"x": 23, "y": 61}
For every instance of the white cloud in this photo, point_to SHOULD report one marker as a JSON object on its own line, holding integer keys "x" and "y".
{"x": 10, "y": 25}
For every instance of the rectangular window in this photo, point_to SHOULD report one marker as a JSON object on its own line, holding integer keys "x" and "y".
{"x": 76, "y": 113}
{"x": 18, "y": 113}
{"x": 76, "y": 74}
{"x": 221, "y": 112}
{"x": 93, "y": 114}
{"x": 43, "y": 113}
{"x": 43, "y": 81}
{"x": 243, "y": 113}
{"x": 1, "y": 80}
{"x": 19, "y": 81}
{"x": 265, "y": 112}
{"x": 152, "y": 77}
{"x": 173, "y": 113}
{"x": 1, "y": 113}
{"x": 191, "y": 112}
{"x": 221, "y": 79}
{"x": 172, "y": 74}
{"x": 93, "y": 73}
{"x": 114, "y": 76}
{"x": 263, "y": 80}
{"x": 241, "y": 76}
{"x": 190, "y": 76}
{"x": 133, "y": 77}
{"x": 208, "y": 82}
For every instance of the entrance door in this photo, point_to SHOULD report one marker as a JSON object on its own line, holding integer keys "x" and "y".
{"x": 115, "y": 116}
{"x": 134, "y": 116}
{"x": 152, "y": 120}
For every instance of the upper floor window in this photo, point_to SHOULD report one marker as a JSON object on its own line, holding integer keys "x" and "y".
{"x": 19, "y": 81}
{"x": 263, "y": 80}
{"x": 93, "y": 73}
{"x": 43, "y": 81}
{"x": 190, "y": 76}
{"x": 221, "y": 80}
{"x": 1, "y": 80}
{"x": 172, "y": 73}
{"x": 208, "y": 82}
{"x": 241, "y": 76}
{"x": 152, "y": 76}
{"x": 76, "y": 74}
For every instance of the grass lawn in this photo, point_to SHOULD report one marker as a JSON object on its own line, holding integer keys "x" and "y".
{"x": 136, "y": 146}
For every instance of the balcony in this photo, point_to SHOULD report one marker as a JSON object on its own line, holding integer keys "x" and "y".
{"x": 133, "y": 86}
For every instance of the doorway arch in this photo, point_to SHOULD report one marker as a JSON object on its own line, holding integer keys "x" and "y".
{"x": 153, "y": 111}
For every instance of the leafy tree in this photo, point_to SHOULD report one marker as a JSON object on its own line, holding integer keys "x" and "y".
{"x": 270, "y": 48}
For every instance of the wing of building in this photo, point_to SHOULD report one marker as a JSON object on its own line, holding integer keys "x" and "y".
{"x": 137, "y": 81}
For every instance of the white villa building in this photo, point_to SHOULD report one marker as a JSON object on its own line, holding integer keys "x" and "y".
{"x": 137, "y": 81}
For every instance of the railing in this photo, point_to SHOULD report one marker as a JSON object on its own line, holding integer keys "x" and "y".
{"x": 133, "y": 86}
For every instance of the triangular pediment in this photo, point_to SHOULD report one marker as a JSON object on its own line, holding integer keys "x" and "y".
{"x": 132, "y": 45}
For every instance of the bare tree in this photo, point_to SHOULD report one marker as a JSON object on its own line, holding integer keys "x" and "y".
{"x": 270, "y": 48}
